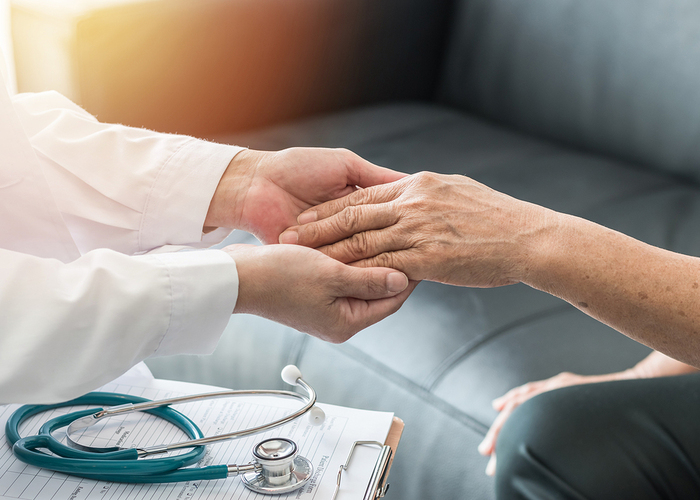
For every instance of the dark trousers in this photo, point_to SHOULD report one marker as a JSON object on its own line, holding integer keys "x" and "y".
{"x": 632, "y": 439}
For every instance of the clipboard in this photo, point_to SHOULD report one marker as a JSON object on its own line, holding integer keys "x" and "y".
{"x": 377, "y": 485}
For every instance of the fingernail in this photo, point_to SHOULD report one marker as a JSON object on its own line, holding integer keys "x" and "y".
{"x": 491, "y": 466}
{"x": 289, "y": 237}
{"x": 396, "y": 282}
{"x": 307, "y": 217}
{"x": 484, "y": 447}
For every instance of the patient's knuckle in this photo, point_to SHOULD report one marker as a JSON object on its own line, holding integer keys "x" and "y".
{"x": 365, "y": 196}
{"x": 358, "y": 244}
{"x": 425, "y": 178}
{"x": 386, "y": 260}
{"x": 349, "y": 218}
{"x": 310, "y": 233}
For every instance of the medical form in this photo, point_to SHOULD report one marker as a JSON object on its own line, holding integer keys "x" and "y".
{"x": 327, "y": 446}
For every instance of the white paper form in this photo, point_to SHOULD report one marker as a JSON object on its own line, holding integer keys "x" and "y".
{"x": 326, "y": 446}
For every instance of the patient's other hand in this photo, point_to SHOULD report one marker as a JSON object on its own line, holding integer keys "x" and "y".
{"x": 304, "y": 289}
{"x": 654, "y": 365}
{"x": 507, "y": 403}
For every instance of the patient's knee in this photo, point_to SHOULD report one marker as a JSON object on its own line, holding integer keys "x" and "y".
{"x": 546, "y": 445}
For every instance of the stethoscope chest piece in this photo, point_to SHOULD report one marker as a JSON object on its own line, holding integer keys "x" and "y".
{"x": 282, "y": 469}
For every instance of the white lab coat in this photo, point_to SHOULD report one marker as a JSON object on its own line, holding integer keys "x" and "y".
{"x": 82, "y": 206}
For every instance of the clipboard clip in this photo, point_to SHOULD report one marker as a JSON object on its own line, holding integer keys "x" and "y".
{"x": 377, "y": 486}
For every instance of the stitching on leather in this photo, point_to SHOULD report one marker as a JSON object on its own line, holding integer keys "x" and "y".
{"x": 439, "y": 404}
{"x": 441, "y": 371}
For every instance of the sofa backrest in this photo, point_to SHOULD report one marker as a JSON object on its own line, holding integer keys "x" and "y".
{"x": 616, "y": 77}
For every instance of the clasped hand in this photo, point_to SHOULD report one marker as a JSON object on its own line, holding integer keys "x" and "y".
{"x": 445, "y": 228}
{"x": 450, "y": 229}
{"x": 264, "y": 193}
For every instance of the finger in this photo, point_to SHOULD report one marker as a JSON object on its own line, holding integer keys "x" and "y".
{"x": 488, "y": 445}
{"x": 369, "y": 196}
{"x": 344, "y": 192}
{"x": 491, "y": 466}
{"x": 399, "y": 260}
{"x": 348, "y": 222}
{"x": 361, "y": 172}
{"x": 379, "y": 248}
{"x": 517, "y": 393}
{"x": 370, "y": 283}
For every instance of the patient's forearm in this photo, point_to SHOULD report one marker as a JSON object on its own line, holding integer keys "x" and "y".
{"x": 650, "y": 294}
{"x": 454, "y": 230}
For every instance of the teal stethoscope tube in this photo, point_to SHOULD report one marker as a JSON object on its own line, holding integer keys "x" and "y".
{"x": 114, "y": 465}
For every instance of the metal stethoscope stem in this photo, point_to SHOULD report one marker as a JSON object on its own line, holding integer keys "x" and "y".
{"x": 277, "y": 467}
{"x": 90, "y": 420}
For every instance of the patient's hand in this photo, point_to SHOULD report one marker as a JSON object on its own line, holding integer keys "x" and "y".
{"x": 654, "y": 365}
{"x": 313, "y": 293}
{"x": 507, "y": 403}
{"x": 436, "y": 227}
{"x": 263, "y": 192}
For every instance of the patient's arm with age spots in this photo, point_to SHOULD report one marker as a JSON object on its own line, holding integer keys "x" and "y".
{"x": 455, "y": 230}
{"x": 650, "y": 294}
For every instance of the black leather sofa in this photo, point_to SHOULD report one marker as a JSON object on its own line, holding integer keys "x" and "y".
{"x": 587, "y": 107}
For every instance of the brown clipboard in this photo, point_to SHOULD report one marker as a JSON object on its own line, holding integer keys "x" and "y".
{"x": 393, "y": 438}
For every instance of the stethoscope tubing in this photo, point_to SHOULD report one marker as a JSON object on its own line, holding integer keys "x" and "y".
{"x": 114, "y": 466}
{"x": 127, "y": 465}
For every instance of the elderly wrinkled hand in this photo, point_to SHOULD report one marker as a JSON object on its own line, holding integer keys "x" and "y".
{"x": 445, "y": 228}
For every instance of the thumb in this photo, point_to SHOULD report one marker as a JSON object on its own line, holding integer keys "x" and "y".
{"x": 363, "y": 173}
{"x": 371, "y": 283}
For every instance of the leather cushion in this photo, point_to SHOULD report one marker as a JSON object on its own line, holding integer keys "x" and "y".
{"x": 619, "y": 78}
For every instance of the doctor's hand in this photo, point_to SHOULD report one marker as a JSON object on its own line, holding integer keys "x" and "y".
{"x": 308, "y": 291}
{"x": 445, "y": 228}
{"x": 263, "y": 192}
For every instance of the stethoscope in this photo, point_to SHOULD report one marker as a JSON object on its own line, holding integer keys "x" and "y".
{"x": 276, "y": 468}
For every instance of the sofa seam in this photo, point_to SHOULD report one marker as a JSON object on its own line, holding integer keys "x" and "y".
{"x": 444, "y": 368}
{"x": 372, "y": 364}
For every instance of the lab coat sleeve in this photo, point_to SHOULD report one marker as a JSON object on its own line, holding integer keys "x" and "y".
{"x": 124, "y": 188}
{"x": 70, "y": 328}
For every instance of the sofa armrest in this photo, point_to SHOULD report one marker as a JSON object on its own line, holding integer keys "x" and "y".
{"x": 206, "y": 67}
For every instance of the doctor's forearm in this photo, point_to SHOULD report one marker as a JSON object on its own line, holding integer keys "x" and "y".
{"x": 124, "y": 188}
{"x": 649, "y": 294}
{"x": 69, "y": 328}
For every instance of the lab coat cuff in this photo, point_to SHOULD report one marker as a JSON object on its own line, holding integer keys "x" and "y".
{"x": 181, "y": 194}
{"x": 203, "y": 292}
